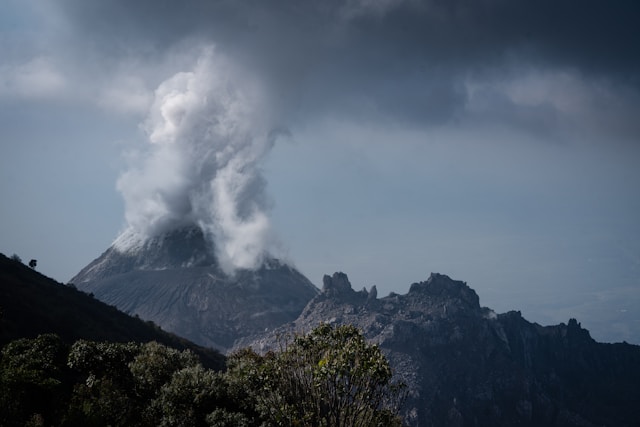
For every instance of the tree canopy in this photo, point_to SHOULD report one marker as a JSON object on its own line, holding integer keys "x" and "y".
{"x": 330, "y": 377}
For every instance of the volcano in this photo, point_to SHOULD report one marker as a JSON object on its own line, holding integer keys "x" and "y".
{"x": 175, "y": 281}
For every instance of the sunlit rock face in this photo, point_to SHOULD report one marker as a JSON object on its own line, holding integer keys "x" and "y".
{"x": 175, "y": 281}
{"x": 465, "y": 365}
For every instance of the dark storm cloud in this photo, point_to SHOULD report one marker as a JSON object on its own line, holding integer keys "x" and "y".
{"x": 403, "y": 58}
{"x": 592, "y": 33}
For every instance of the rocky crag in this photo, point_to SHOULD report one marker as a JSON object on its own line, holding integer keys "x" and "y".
{"x": 465, "y": 365}
{"x": 175, "y": 281}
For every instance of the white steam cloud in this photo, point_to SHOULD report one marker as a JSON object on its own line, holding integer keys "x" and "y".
{"x": 207, "y": 134}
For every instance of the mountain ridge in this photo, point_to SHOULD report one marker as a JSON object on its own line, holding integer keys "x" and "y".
{"x": 466, "y": 365}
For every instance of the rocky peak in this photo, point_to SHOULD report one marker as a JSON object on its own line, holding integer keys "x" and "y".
{"x": 373, "y": 293}
{"x": 468, "y": 366}
{"x": 443, "y": 287}
{"x": 336, "y": 285}
{"x": 575, "y": 334}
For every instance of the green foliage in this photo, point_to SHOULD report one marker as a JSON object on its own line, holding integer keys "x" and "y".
{"x": 33, "y": 361}
{"x": 330, "y": 377}
{"x": 152, "y": 369}
{"x": 101, "y": 402}
{"x": 222, "y": 417}
{"x": 31, "y": 379}
{"x": 104, "y": 394}
{"x": 188, "y": 397}
{"x": 101, "y": 359}
{"x": 155, "y": 364}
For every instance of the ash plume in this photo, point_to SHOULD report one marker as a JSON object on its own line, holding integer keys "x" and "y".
{"x": 206, "y": 135}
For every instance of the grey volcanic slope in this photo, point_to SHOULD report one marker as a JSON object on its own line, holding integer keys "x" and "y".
{"x": 175, "y": 281}
{"x": 468, "y": 366}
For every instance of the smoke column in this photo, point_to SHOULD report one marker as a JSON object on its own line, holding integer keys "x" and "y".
{"x": 206, "y": 135}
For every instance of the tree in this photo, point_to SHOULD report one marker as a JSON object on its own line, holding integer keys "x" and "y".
{"x": 32, "y": 380}
{"x": 16, "y": 257}
{"x": 155, "y": 364}
{"x": 105, "y": 393}
{"x": 152, "y": 368}
{"x": 331, "y": 377}
{"x": 33, "y": 263}
{"x": 188, "y": 399}
{"x": 99, "y": 384}
{"x": 141, "y": 385}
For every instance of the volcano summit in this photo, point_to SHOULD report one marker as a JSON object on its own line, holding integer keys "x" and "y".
{"x": 175, "y": 280}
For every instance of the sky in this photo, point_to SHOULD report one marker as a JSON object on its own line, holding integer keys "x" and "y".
{"x": 495, "y": 141}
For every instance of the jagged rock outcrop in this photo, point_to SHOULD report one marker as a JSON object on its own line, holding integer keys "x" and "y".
{"x": 468, "y": 366}
{"x": 175, "y": 281}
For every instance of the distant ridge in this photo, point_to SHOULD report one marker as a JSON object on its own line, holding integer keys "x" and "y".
{"x": 466, "y": 365}
{"x": 32, "y": 304}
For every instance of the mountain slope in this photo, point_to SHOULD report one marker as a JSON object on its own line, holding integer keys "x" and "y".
{"x": 467, "y": 366}
{"x": 32, "y": 304}
{"x": 175, "y": 281}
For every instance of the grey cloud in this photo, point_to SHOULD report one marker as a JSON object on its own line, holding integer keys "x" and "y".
{"x": 588, "y": 33}
{"x": 404, "y": 59}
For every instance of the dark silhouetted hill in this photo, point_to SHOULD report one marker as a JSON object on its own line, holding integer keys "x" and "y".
{"x": 33, "y": 304}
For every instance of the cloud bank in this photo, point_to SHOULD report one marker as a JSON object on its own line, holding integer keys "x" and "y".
{"x": 207, "y": 133}
{"x": 407, "y": 61}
